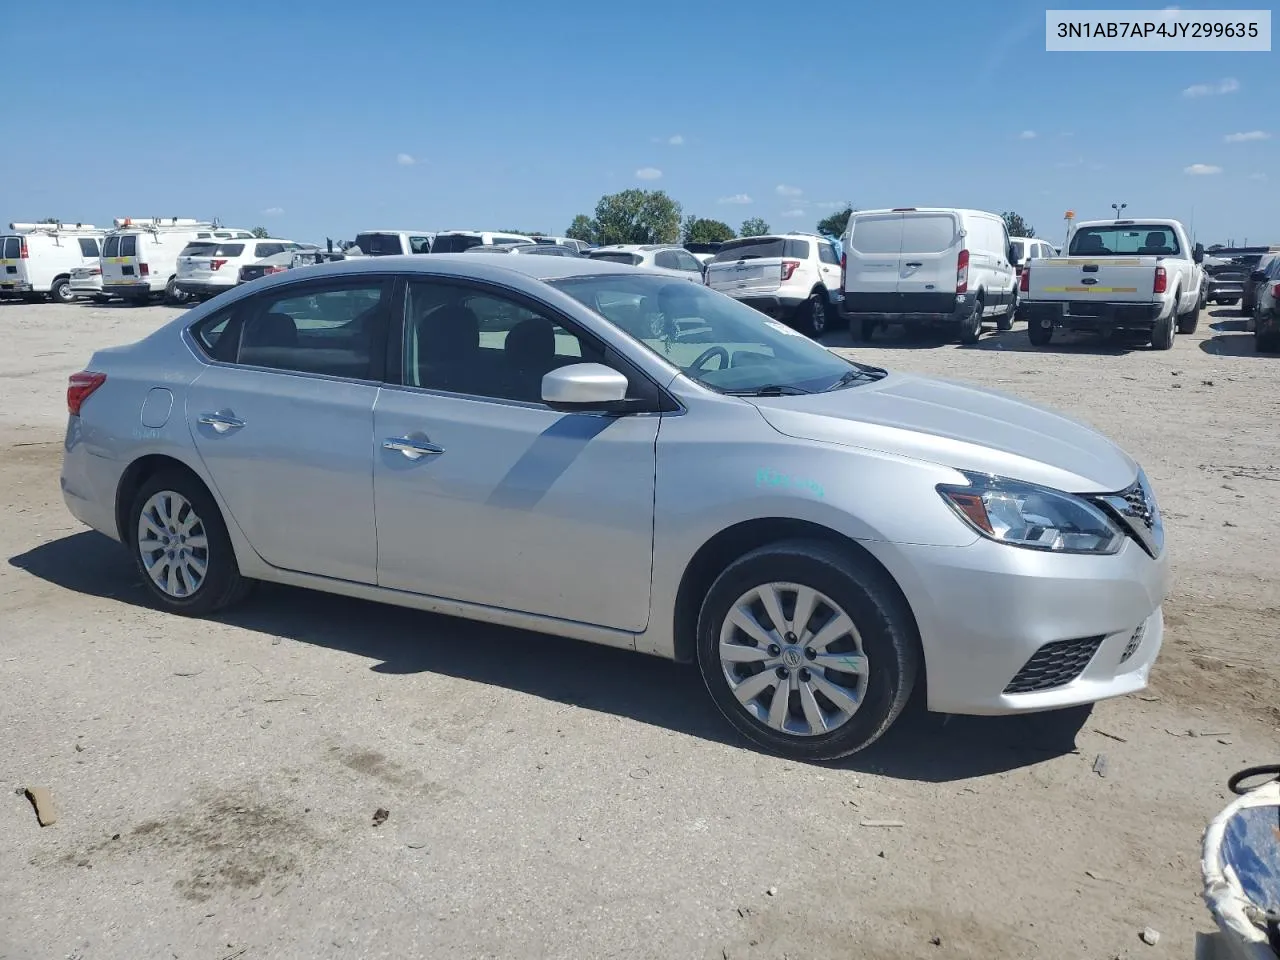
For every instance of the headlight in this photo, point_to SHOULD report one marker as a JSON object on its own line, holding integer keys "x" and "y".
{"x": 1026, "y": 515}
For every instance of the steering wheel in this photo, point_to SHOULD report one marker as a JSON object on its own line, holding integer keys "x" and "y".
{"x": 707, "y": 354}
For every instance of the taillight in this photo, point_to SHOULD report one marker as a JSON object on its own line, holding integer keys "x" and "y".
{"x": 962, "y": 272}
{"x": 844, "y": 267}
{"x": 79, "y": 386}
{"x": 1024, "y": 280}
{"x": 23, "y": 254}
{"x": 95, "y": 271}
{"x": 144, "y": 270}
{"x": 1161, "y": 281}
{"x": 788, "y": 268}
{"x": 271, "y": 270}
{"x": 216, "y": 264}
{"x": 1275, "y": 291}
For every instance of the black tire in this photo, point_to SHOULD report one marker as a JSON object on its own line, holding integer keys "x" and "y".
{"x": 1162, "y": 334}
{"x": 1039, "y": 334}
{"x": 222, "y": 585}
{"x": 1266, "y": 342}
{"x": 815, "y": 315}
{"x": 172, "y": 295}
{"x": 1187, "y": 322}
{"x": 863, "y": 329}
{"x": 1005, "y": 320}
{"x": 60, "y": 292}
{"x": 1230, "y": 303}
{"x": 879, "y": 612}
{"x": 971, "y": 326}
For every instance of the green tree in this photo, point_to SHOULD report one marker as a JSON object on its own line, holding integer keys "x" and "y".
{"x": 703, "y": 230}
{"x": 583, "y": 228}
{"x": 525, "y": 233}
{"x": 833, "y": 225}
{"x": 753, "y": 227}
{"x": 637, "y": 216}
{"x": 260, "y": 232}
{"x": 1017, "y": 226}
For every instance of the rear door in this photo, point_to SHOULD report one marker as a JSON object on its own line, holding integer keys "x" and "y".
{"x": 11, "y": 263}
{"x": 195, "y": 256}
{"x": 829, "y": 269}
{"x": 872, "y": 250}
{"x": 120, "y": 260}
{"x": 927, "y": 261}
{"x": 283, "y": 420}
{"x": 748, "y": 267}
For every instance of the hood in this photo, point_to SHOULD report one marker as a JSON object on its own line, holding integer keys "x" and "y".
{"x": 960, "y": 426}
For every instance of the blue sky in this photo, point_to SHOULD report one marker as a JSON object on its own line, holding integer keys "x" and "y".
{"x": 320, "y": 119}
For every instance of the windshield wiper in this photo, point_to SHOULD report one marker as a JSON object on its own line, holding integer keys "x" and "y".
{"x": 853, "y": 376}
{"x": 770, "y": 390}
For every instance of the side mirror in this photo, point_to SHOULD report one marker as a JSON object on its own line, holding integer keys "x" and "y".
{"x": 1198, "y": 253}
{"x": 585, "y": 388}
{"x": 1014, "y": 259}
{"x": 1258, "y": 276}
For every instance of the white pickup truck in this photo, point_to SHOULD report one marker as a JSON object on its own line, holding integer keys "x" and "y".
{"x": 1129, "y": 277}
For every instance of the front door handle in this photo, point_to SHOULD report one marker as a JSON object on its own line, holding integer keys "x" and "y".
{"x": 221, "y": 422}
{"x": 413, "y": 449}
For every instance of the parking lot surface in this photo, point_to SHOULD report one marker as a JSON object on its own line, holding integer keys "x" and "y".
{"x": 216, "y": 782}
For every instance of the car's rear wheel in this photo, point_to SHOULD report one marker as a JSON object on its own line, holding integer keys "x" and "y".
{"x": 815, "y": 311}
{"x": 863, "y": 329}
{"x": 1039, "y": 332}
{"x": 1187, "y": 322}
{"x": 60, "y": 292}
{"x": 809, "y": 651}
{"x": 1005, "y": 320}
{"x": 1163, "y": 332}
{"x": 172, "y": 295}
{"x": 971, "y": 326}
{"x": 181, "y": 547}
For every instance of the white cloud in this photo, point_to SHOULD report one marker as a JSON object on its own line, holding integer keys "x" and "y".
{"x": 829, "y": 204}
{"x": 675, "y": 140}
{"x": 1225, "y": 85}
{"x": 1027, "y": 135}
{"x": 1201, "y": 169}
{"x": 786, "y": 191}
{"x": 405, "y": 160}
{"x": 273, "y": 211}
{"x": 797, "y": 212}
{"x": 1258, "y": 176}
{"x": 736, "y": 198}
{"x": 648, "y": 173}
{"x": 1248, "y": 136}
{"x": 1068, "y": 164}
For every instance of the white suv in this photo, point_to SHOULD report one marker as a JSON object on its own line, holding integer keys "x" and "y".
{"x": 662, "y": 257}
{"x": 208, "y": 267}
{"x": 792, "y": 277}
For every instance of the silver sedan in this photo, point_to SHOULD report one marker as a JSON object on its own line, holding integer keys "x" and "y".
{"x": 593, "y": 450}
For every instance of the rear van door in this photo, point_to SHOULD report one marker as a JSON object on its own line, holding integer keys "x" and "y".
{"x": 11, "y": 265}
{"x": 872, "y": 249}
{"x": 120, "y": 260}
{"x": 928, "y": 260}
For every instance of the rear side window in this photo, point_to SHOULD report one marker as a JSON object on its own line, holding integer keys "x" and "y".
{"x": 419, "y": 244}
{"x": 88, "y": 247}
{"x": 877, "y": 235}
{"x": 201, "y": 248}
{"x": 379, "y": 244}
{"x": 455, "y": 243}
{"x": 1020, "y": 248}
{"x": 111, "y": 247}
{"x": 750, "y": 248}
{"x": 827, "y": 254}
{"x": 129, "y": 245}
{"x": 267, "y": 249}
{"x": 228, "y": 250}
{"x": 927, "y": 233}
{"x": 10, "y": 248}
{"x": 339, "y": 331}
{"x": 666, "y": 259}
{"x": 799, "y": 249}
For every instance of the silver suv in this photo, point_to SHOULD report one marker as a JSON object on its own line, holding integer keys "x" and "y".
{"x": 668, "y": 257}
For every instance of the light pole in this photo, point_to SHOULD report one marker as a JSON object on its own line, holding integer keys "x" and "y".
{"x": 1117, "y": 207}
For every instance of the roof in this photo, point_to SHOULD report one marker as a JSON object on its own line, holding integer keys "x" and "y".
{"x": 481, "y": 266}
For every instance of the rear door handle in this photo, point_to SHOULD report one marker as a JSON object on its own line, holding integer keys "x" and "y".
{"x": 413, "y": 449}
{"x": 221, "y": 422}
{"x": 914, "y": 263}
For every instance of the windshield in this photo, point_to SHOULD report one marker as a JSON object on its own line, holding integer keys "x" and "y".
{"x": 714, "y": 339}
{"x": 1133, "y": 238}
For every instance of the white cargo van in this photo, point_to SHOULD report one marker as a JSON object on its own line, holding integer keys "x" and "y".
{"x": 140, "y": 256}
{"x": 37, "y": 259}
{"x": 928, "y": 266}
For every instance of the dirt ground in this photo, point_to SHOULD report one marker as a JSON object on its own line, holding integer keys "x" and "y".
{"x": 216, "y": 781}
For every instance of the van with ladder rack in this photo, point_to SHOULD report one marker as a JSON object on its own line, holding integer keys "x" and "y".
{"x": 38, "y": 259}
{"x": 140, "y": 256}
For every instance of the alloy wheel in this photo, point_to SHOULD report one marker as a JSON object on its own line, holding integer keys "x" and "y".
{"x": 173, "y": 544}
{"x": 793, "y": 659}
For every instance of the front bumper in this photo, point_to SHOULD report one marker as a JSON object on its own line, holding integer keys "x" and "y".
{"x": 985, "y": 610}
{"x": 962, "y": 309}
{"x": 202, "y": 288}
{"x": 1100, "y": 316}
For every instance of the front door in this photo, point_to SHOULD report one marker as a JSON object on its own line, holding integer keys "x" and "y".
{"x": 483, "y": 493}
{"x": 284, "y": 422}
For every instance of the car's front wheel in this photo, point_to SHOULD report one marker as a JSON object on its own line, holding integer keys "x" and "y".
{"x": 181, "y": 547}
{"x": 808, "y": 650}
{"x": 814, "y": 315}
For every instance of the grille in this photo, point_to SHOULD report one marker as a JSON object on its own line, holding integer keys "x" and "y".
{"x": 1135, "y": 641}
{"x": 1054, "y": 665}
{"x": 1136, "y": 508}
